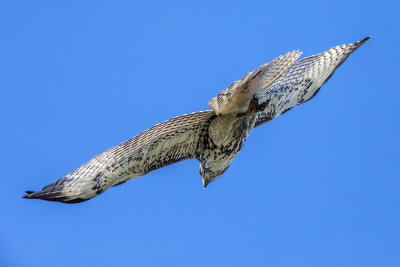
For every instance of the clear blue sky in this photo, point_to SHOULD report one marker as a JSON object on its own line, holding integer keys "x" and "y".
{"x": 319, "y": 186}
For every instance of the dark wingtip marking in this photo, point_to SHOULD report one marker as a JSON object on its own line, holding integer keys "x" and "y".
{"x": 365, "y": 39}
{"x": 28, "y": 194}
{"x": 359, "y": 43}
{"x": 55, "y": 196}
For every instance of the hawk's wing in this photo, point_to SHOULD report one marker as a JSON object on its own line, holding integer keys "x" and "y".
{"x": 302, "y": 81}
{"x": 174, "y": 140}
{"x": 236, "y": 98}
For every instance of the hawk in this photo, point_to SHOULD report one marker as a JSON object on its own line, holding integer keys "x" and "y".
{"x": 214, "y": 137}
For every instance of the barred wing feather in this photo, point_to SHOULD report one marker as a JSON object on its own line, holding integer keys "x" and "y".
{"x": 163, "y": 144}
{"x": 302, "y": 81}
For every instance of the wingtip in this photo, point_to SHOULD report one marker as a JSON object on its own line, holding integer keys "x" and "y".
{"x": 53, "y": 196}
{"x": 362, "y": 41}
{"x": 354, "y": 46}
{"x": 366, "y": 38}
{"x": 28, "y": 194}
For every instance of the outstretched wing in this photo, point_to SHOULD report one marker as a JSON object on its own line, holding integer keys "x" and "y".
{"x": 302, "y": 81}
{"x": 163, "y": 144}
{"x": 236, "y": 98}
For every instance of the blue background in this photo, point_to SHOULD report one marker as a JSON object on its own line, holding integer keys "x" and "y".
{"x": 319, "y": 186}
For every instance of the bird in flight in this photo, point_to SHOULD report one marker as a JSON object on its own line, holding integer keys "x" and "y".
{"x": 214, "y": 137}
